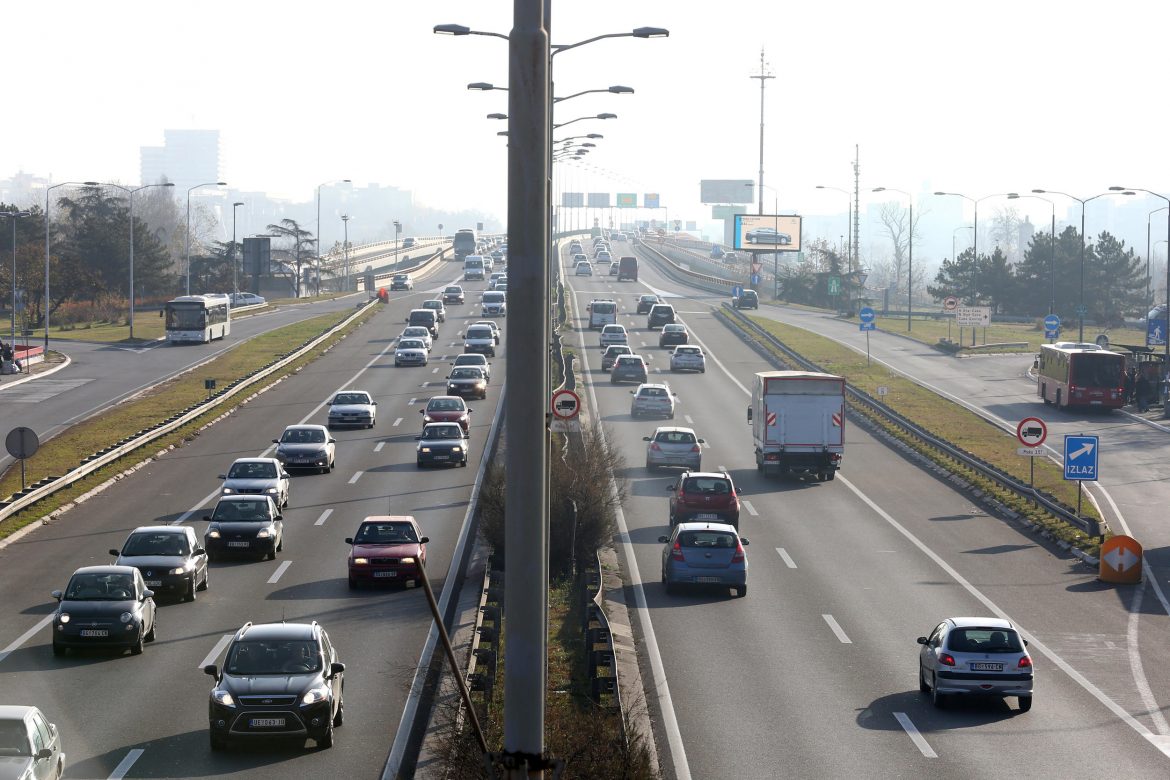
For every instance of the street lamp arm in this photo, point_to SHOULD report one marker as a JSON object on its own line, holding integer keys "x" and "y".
{"x": 459, "y": 29}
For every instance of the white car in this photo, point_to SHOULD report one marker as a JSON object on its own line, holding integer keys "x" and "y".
{"x": 494, "y": 304}
{"x": 353, "y": 407}
{"x": 31, "y": 745}
{"x": 584, "y": 269}
{"x": 411, "y": 352}
{"x": 495, "y": 326}
{"x": 495, "y": 279}
{"x": 481, "y": 339}
{"x": 688, "y": 357}
{"x": 474, "y": 359}
{"x": 418, "y": 332}
{"x": 246, "y": 299}
{"x": 257, "y": 476}
{"x": 614, "y": 334}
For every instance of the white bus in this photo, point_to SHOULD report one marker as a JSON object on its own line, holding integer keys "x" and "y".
{"x": 199, "y": 318}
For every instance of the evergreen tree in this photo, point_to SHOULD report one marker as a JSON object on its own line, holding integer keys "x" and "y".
{"x": 1115, "y": 282}
{"x": 958, "y": 277}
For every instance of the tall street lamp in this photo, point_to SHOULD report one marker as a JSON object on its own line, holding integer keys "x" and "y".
{"x": 583, "y": 118}
{"x": 345, "y": 247}
{"x": 130, "y": 197}
{"x": 188, "y": 230}
{"x": 1052, "y": 254}
{"x": 848, "y": 220}
{"x": 47, "y": 234}
{"x": 910, "y": 262}
{"x": 1149, "y": 296}
{"x": 319, "y": 186}
{"x": 235, "y": 281}
{"x": 953, "y": 233}
{"x": 12, "y": 217}
{"x": 397, "y": 230}
{"x": 1081, "y": 310}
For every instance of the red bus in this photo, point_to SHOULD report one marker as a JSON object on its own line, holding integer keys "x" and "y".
{"x": 1070, "y": 374}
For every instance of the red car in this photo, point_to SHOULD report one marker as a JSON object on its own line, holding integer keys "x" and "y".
{"x": 704, "y": 495}
{"x": 386, "y": 548}
{"x": 447, "y": 408}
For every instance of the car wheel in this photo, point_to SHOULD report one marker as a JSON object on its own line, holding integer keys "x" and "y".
{"x": 339, "y": 718}
{"x": 206, "y": 577}
{"x": 419, "y": 463}
{"x": 702, "y": 370}
{"x": 832, "y": 475}
{"x": 332, "y": 463}
{"x": 59, "y": 650}
{"x": 218, "y": 741}
{"x": 271, "y": 554}
{"x": 192, "y": 589}
{"x": 741, "y": 590}
{"x": 463, "y": 463}
{"x": 650, "y": 466}
{"x": 153, "y": 632}
{"x": 136, "y": 648}
{"x": 939, "y": 700}
{"x": 325, "y": 741}
{"x": 353, "y": 584}
{"x": 1025, "y": 703}
{"x": 280, "y": 544}
{"x": 922, "y": 686}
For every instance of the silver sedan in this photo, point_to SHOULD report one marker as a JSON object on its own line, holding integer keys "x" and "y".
{"x": 671, "y": 446}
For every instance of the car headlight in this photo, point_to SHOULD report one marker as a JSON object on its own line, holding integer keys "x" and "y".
{"x": 424, "y": 449}
{"x": 63, "y": 617}
{"x": 360, "y": 561}
{"x": 407, "y": 560}
{"x": 126, "y": 617}
{"x": 227, "y": 491}
{"x": 181, "y": 569}
{"x": 271, "y": 490}
{"x": 314, "y": 695}
{"x": 223, "y": 697}
{"x": 456, "y": 449}
{"x": 263, "y": 533}
{"x": 213, "y": 534}
{"x": 427, "y": 418}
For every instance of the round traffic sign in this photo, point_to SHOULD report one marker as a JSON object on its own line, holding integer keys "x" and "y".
{"x": 566, "y": 404}
{"x": 1031, "y": 431}
{"x": 1052, "y": 322}
{"x": 950, "y": 303}
{"x": 866, "y": 314}
{"x": 22, "y": 442}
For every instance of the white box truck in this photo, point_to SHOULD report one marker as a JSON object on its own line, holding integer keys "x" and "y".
{"x": 798, "y": 423}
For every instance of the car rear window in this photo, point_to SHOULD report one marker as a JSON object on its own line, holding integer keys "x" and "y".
{"x": 984, "y": 640}
{"x": 707, "y": 539}
{"x": 630, "y": 361}
{"x": 675, "y": 437}
{"x": 707, "y": 485}
{"x": 599, "y": 307}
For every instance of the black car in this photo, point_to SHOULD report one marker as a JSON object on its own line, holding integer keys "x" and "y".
{"x": 746, "y": 300}
{"x": 170, "y": 558}
{"x": 244, "y": 525}
{"x": 104, "y": 606}
{"x": 628, "y": 368}
{"x": 441, "y": 443}
{"x": 279, "y": 680}
{"x": 673, "y": 335}
{"x": 467, "y": 381}
{"x": 660, "y": 314}
{"x": 647, "y": 302}
{"x": 453, "y": 294}
{"x": 612, "y": 353}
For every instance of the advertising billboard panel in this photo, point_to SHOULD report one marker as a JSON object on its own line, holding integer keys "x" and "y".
{"x": 767, "y": 232}
{"x": 257, "y": 256}
{"x": 627, "y": 200}
{"x": 650, "y": 200}
{"x": 727, "y": 191}
{"x": 599, "y": 200}
{"x": 572, "y": 200}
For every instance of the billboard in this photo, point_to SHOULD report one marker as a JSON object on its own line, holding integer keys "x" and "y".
{"x": 726, "y": 191}
{"x": 767, "y": 232}
{"x": 257, "y": 256}
{"x": 650, "y": 200}
{"x": 627, "y": 200}
{"x": 599, "y": 200}
{"x": 572, "y": 200}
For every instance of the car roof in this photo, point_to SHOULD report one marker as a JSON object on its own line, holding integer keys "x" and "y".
{"x": 264, "y": 631}
{"x": 654, "y": 384}
{"x": 707, "y": 526}
{"x": 707, "y": 474}
{"x": 106, "y": 569}
{"x": 177, "y": 530}
{"x": 981, "y": 622}
{"x": 444, "y": 398}
{"x": 305, "y": 428}
{"x": 432, "y": 425}
{"x": 16, "y": 711}
{"x": 471, "y": 357}
{"x": 260, "y": 460}
{"x": 245, "y": 497}
{"x": 394, "y": 518}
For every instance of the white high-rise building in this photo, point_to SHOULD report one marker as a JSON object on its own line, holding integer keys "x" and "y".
{"x": 187, "y": 158}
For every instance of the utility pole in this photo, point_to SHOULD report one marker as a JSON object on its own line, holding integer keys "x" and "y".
{"x": 853, "y": 261}
{"x": 763, "y": 76}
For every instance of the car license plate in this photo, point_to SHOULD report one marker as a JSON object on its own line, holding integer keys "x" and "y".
{"x": 385, "y": 574}
{"x": 153, "y": 583}
{"x": 238, "y": 544}
{"x": 442, "y": 457}
{"x": 707, "y": 579}
{"x": 257, "y": 723}
{"x": 95, "y": 632}
{"x": 706, "y": 516}
{"x": 986, "y": 667}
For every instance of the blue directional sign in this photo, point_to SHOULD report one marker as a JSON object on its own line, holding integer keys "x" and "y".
{"x": 1051, "y": 325}
{"x": 867, "y": 314}
{"x": 1080, "y": 458}
{"x": 737, "y": 291}
{"x": 867, "y": 326}
{"x": 1156, "y": 333}
{"x": 755, "y": 280}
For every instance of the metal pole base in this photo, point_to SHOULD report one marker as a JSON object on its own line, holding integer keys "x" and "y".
{"x": 524, "y": 766}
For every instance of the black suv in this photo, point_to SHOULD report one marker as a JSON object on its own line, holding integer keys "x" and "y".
{"x": 746, "y": 300}
{"x": 279, "y": 680}
{"x": 660, "y": 314}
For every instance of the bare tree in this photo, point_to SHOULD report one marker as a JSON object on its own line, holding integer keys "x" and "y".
{"x": 1005, "y": 231}
{"x": 303, "y": 248}
{"x": 896, "y": 225}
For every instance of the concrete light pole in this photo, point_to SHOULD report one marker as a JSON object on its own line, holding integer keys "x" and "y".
{"x": 12, "y": 217}
{"x": 232, "y": 253}
{"x": 188, "y": 230}
{"x": 130, "y": 197}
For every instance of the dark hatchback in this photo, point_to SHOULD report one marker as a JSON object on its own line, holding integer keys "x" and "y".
{"x": 467, "y": 381}
{"x": 170, "y": 558}
{"x": 104, "y": 606}
{"x": 441, "y": 444}
{"x": 746, "y": 300}
{"x": 279, "y": 680}
{"x": 660, "y": 314}
{"x": 244, "y": 525}
{"x": 647, "y": 302}
{"x": 453, "y": 294}
{"x": 628, "y": 368}
{"x": 673, "y": 335}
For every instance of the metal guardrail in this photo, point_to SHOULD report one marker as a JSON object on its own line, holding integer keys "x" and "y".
{"x": 861, "y": 398}
{"x": 688, "y": 276}
{"x": 597, "y": 632}
{"x": 97, "y": 460}
{"x": 423, "y": 267}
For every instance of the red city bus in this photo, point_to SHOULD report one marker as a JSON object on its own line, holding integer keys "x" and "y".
{"x": 1069, "y": 374}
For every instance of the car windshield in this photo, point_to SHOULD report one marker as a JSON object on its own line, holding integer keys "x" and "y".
{"x": 303, "y": 436}
{"x": 467, "y": 373}
{"x": 252, "y": 470}
{"x": 687, "y": 351}
{"x": 99, "y": 586}
{"x": 251, "y": 510}
{"x": 984, "y": 640}
{"x": 432, "y": 304}
{"x": 617, "y": 350}
{"x": 631, "y": 362}
{"x": 401, "y": 278}
{"x": 721, "y": 539}
{"x": 454, "y": 290}
{"x": 471, "y": 360}
{"x": 479, "y": 333}
{"x": 445, "y": 405}
{"x": 351, "y": 398}
{"x": 706, "y": 485}
{"x": 613, "y": 329}
{"x": 156, "y": 544}
{"x": 493, "y": 297}
{"x": 14, "y": 739}
{"x": 675, "y": 437}
{"x": 443, "y": 432}
{"x": 416, "y": 330}
{"x": 649, "y": 299}
{"x": 277, "y": 656}
{"x": 385, "y": 533}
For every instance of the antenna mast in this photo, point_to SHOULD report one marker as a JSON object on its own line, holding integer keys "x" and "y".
{"x": 763, "y": 77}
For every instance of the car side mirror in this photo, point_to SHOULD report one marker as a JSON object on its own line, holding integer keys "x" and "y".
{"x": 421, "y": 411}
{"x": 407, "y": 319}
{"x": 207, "y": 518}
{"x": 921, "y": 640}
{"x": 664, "y": 539}
{"x": 147, "y": 594}
{"x": 349, "y": 540}
{"x": 744, "y": 541}
{"x": 633, "y": 392}
{"x": 211, "y": 670}
{"x": 671, "y": 487}
{"x": 749, "y": 414}
{"x": 200, "y": 551}
{"x": 647, "y": 438}
{"x": 418, "y": 438}
{"x": 373, "y": 403}
{"x": 44, "y": 753}
{"x": 702, "y": 441}
{"x": 57, "y": 594}
{"x": 276, "y": 441}
{"x": 336, "y": 668}
{"x": 333, "y": 441}
{"x": 1025, "y": 643}
{"x": 114, "y": 552}
{"x": 424, "y": 540}
{"x": 223, "y": 476}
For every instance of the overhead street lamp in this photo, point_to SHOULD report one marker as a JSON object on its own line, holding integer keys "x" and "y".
{"x": 1052, "y": 254}
{"x": 1081, "y": 310}
{"x": 47, "y": 234}
{"x": 13, "y": 216}
{"x": 397, "y": 230}
{"x": 130, "y": 197}
{"x": 188, "y": 228}
{"x": 848, "y": 221}
{"x": 637, "y": 32}
{"x": 583, "y": 118}
{"x": 910, "y": 262}
{"x": 235, "y": 282}
{"x": 617, "y": 89}
{"x": 1149, "y": 296}
{"x": 319, "y": 186}
{"x": 591, "y": 136}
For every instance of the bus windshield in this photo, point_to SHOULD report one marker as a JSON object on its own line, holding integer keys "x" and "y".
{"x": 192, "y": 317}
{"x": 1089, "y": 370}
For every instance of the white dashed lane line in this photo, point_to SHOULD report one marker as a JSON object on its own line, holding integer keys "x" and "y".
{"x": 356, "y": 476}
{"x": 27, "y": 635}
{"x": 123, "y": 768}
{"x": 281, "y": 569}
{"x": 915, "y": 736}
{"x": 215, "y": 651}
{"x": 832, "y": 621}
{"x": 324, "y": 516}
{"x": 435, "y": 370}
{"x": 396, "y": 422}
{"x": 687, "y": 417}
{"x": 378, "y": 447}
{"x": 751, "y": 509}
{"x": 786, "y": 558}
{"x": 412, "y": 401}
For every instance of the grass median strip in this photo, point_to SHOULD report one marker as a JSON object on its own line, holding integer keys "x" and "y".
{"x": 63, "y": 452}
{"x": 947, "y": 420}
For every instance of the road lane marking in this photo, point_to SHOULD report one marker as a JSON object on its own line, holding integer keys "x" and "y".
{"x": 751, "y": 509}
{"x": 356, "y": 476}
{"x": 435, "y": 370}
{"x": 27, "y": 635}
{"x": 412, "y": 401}
{"x": 1135, "y": 660}
{"x": 396, "y": 422}
{"x": 786, "y": 557}
{"x": 915, "y": 736}
{"x": 832, "y": 621}
{"x": 215, "y": 651}
{"x": 324, "y": 516}
{"x": 123, "y": 768}
{"x": 281, "y": 569}
{"x": 378, "y": 447}
{"x": 687, "y": 417}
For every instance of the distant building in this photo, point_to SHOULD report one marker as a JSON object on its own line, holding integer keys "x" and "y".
{"x": 187, "y": 158}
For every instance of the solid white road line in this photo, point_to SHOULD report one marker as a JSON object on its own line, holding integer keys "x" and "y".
{"x": 378, "y": 447}
{"x": 832, "y": 621}
{"x": 324, "y": 516}
{"x": 357, "y": 475}
{"x": 751, "y": 509}
{"x": 281, "y": 569}
{"x": 27, "y": 635}
{"x": 786, "y": 557}
{"x": 915, "y": 736}
{"x": 396, "y": 422}
{"x": 213, "y": 656}
{"x": 123, "y": 768}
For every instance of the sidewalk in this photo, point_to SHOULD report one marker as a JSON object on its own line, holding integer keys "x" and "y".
{"x": 53, "y": 362}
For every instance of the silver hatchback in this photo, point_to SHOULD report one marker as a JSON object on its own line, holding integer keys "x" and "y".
{"x": 652, "y": 399}
{"x": 670, "y": 446}
{"x": 974, "y": 656}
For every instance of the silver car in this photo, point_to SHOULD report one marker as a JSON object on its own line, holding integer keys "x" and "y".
{"x": 418, "y": 332}
{"x": 670, "y": 446}
{"x": 411, "y": 352}
{"x": 353, "y": 407}
{"x": 652, "y": 399}
{"x": 613, "y": 334}
{"x": 438, "y": 307}
{"x": 495, "y": 326}
{"x": 474, "y": 359}
{"x": 306, "y": 447}
{"x": 688, "y": 357}
{"x": 30, "y": 746}
{"x": 257, "y": 476}
{"x": 975, "y": 656}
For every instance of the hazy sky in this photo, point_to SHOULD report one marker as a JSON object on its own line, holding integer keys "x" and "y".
{"x": 975, "y": 97}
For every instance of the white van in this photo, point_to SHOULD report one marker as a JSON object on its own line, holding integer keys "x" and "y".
{"x": 602, "y": 312}
{"x": 473, "y": 268}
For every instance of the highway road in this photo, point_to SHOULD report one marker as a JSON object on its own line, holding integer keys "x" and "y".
{"x": 146, "y": 716}
{"x": 813, "y": 674}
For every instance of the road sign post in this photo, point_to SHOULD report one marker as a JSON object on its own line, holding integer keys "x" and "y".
{"x": 1032, "y": 432}
{"x": 1080, "y": 461}
{"x": 22, "y": 443}
{"x": 867, "y": 316}
{"x": 1051, "y": 327}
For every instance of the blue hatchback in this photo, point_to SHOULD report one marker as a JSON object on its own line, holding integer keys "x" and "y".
{"x": 704, "y": 554}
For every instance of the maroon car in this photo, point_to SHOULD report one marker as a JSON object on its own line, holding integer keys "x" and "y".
{"x": 386, "y": 548}
{"x": 447, "y": 408}
{"x": 704, "y": 495}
